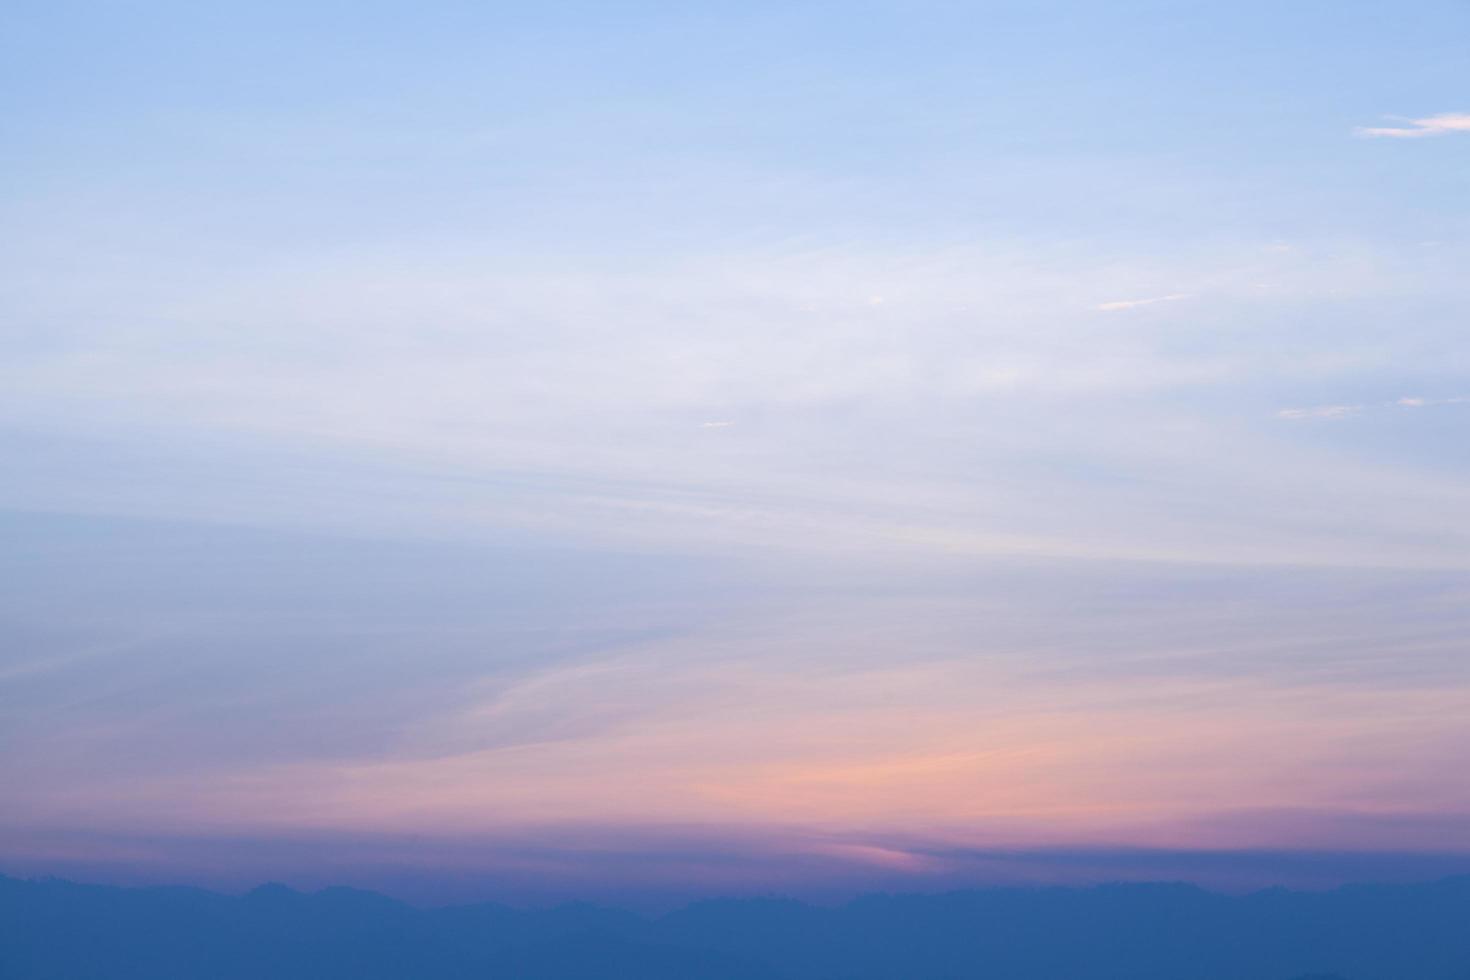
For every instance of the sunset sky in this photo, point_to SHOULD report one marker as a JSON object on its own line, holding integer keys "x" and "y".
{"x": 556, "y": 449}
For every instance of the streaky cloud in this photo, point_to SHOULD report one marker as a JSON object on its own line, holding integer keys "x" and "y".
{"x": 1445, "y": 122}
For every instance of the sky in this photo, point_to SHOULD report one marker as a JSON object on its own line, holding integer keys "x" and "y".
{"x": 621, "y": 449}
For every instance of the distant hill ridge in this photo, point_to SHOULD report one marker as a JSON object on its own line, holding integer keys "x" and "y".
{"x": 58, "y": 930}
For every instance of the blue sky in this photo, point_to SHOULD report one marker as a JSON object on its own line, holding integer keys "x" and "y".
{"x": 872, "y": 430}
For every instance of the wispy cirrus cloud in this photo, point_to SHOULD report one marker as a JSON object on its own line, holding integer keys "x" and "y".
{"x": 1129, "y": 304}
{"x": 1415, "y": 401}
{"x": 1345, "y": 411}
{"x": 1319, "y": 412}
{"x": 1437, "y": 125}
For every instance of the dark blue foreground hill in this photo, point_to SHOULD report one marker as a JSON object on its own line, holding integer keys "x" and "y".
{"x": 62, "y": 931}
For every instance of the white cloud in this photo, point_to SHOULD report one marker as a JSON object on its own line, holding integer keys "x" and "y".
{"x": 1344, "y": 411}
{"x": 556, "y": 392}
{"x": 1128, "y": 304}
{"x": 1320, "y": 412}
{"x": 1417, "y": 402}
{"x": 1445, "y": 122}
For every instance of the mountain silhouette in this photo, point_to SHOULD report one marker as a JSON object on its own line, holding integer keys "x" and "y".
{"x": 58, "y": 930}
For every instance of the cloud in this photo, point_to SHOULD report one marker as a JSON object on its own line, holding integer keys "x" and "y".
{"x": 1412, "y": 401}
{"x": 1445, "y": 122}
{"x": 349, "y": 409}
{"x": 1128, "y": 304}
{"x": 1025, "y": 737}
{"x": 1320, "y": 412}
{"x": 1344, "y": 411}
